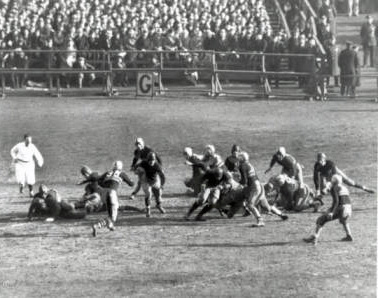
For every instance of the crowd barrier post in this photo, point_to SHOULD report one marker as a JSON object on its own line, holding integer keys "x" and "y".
{"x": 50, "y": 76}
{"x": 2, "y": 86}
{"x": 159, "y": 76}
{"x": 266, "y": 87}
{"x": 216, "y": 87}
{"x": 109, "y": 75}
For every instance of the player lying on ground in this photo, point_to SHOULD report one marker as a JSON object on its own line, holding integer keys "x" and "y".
{"x": 194, "y": 161}
{"x": 151, "y": 179}
{"x": 290, "y": 166}
{"x": 48, "y": 204}
{"x": 341, "y": 209}
{"x": 141, "y": 153}
{"x": 324, "y": 169}
{"x": 110, "y": 182}
{"x": 290, "y": 196}
{"x": 255, "y": 194}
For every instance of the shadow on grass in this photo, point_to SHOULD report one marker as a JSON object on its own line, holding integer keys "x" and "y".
{"x": 238, "y": 245}
{"x": 44, "y": 235}
{"x": 353, "y": 111}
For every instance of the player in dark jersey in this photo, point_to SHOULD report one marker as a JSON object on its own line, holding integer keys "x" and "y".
{"x": 47, "y": 203}
{"x": 195, "y": 161}
{"x": 94, "y": 199}
{"x": 152, "y": 180}
{"x": 110, "y": 181}
{"x": 324, "y": 169}
{"x": 341, "y": 209}
{"x": 210, "y": 192}
{"x": 141, "y": 152}
{"x": 232, "y": 162}
{"x": 290, "y": 166}
{"x": 290, "y": 196}
{"x": 254, "y": 191}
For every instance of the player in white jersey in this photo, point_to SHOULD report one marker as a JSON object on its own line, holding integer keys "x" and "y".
{"x": 23, "y": 155}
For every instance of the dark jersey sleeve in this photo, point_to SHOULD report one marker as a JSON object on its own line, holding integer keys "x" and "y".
{"x": 126, "y": 178}
{"x": 136, "y": 158}
{"x": 273, "y": 160}
{"x": 160, "y": 172}
{"x": 316, "y": 175}
{"x": 33, "y": 207}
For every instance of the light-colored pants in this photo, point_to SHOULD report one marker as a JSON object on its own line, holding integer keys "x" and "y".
{"x": 150, "y": 189}
{"x": 25, "y": 172}
{"x": 353, "y": 7}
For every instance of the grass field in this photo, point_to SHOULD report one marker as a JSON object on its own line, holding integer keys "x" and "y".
{"x": 165, "y": 256}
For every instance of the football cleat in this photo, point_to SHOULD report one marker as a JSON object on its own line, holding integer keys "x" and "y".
{"x": 312, "y": 239}
{"x": 161, "y": 209}
{"x": 259, "y": 224}
{"x": 94, "y": 231}
{"x": 348, "y": 238}
{"x": 284, "y": 217}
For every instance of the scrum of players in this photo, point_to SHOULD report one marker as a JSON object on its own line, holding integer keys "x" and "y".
{"x": 229, "y": 186}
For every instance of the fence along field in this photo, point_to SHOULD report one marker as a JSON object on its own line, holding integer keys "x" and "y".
{"x": 165, "y": 256}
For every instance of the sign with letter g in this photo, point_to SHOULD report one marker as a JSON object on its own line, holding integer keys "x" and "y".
{"x": 145, "y": 84}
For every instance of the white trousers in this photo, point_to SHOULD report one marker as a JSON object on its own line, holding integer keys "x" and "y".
{"x": 25, "y": 172}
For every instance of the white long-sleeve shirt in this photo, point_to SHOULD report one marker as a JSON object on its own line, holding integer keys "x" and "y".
{"x": 24, "y": 153}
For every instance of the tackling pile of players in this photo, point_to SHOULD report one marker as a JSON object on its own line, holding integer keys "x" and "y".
{"x": 228, "y": 186}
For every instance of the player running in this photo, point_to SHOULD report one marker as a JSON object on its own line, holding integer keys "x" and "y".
{"x": 195, "y": 161}
{"x": 341, "y": 209}
{"x": 47, "y": 203}
{"x": 290, "y": 166}
{"x": 111, "y": 181}
{"x": 141, "y": 153}
{"x": 324, "y": 169}
{"x": 151, "y": 180}
{"x": 254, "y": 191}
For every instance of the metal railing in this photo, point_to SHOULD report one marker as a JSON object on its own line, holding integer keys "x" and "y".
{"x": 211, "y": 64}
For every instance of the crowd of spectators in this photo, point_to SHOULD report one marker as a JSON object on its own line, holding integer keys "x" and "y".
{"x": 78, "y": 26}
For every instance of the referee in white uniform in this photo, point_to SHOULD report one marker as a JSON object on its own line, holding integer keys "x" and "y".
{"x": 23, "y": 155}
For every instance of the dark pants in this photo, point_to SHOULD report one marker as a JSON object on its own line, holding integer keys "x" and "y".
{"x": 369, "y": 51}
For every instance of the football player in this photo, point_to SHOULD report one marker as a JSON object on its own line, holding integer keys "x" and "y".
{"x": 152, "y": 180}
{"x": 290, "y": 166}
{"x": 232, "y": 162}
{"x": 341, "y": 209}
{"x": 111, "y": 181}
{"x": 94, "y": 199}
{"x": 254, "y": 191}
{"x": 48, "y": 203}
{"x": 210, "y": 191}
{"x": 324, "y": 169}
{"x": 195, "y": 161}
{"x": 290, "y": 196}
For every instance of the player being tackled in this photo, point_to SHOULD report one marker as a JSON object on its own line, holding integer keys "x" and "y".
{"x": 110, "y": 181}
